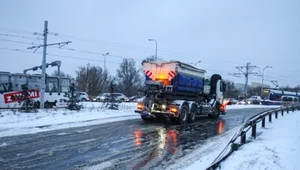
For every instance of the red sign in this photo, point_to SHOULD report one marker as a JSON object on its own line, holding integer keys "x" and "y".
{"x": 17, "y": 96}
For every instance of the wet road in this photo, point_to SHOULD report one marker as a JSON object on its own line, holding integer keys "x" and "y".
{"x": 130, "y": 144}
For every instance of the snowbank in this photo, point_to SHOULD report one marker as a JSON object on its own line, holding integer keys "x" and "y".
{"x": 15, "y": 123}
{"x": 276, "y": 147}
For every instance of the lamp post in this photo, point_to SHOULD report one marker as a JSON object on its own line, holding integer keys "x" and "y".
{"x": 104, "y": 68}
{"x": 262, "y": 80}
{"x": 195, "y": 64}
{"x": 155, "y": 47}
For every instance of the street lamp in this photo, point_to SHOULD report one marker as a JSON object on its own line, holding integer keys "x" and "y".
{"x": 155, "y": 47}
{"x": 104, "y": 68}
{"x": 195, "y": 64}
{"x": 262, "y": 81}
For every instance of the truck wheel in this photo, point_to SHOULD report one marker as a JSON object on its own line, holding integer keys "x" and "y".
{"x": 183, "y": 115}
{"x": 192, "y": 115}
{"x": 216, "y": 112}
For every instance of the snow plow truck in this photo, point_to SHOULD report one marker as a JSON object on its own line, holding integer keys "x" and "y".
{"x": 179, "y": 92}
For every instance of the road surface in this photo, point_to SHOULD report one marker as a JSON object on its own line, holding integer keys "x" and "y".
{"x": 130, "y": 144}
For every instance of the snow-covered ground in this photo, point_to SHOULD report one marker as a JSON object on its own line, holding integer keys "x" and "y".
{"x": 277, "y": 147}
{"x": 16, "y": 123}
{"x": 268, "y": 151}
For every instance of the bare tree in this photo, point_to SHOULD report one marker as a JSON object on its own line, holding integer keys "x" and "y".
{"x": 61, "y": 74}
{"x": 128, "y": 78}
{"x": 91, "y": 79}
{"x": 152, "y": 58}
{"x": 231, "y": 91}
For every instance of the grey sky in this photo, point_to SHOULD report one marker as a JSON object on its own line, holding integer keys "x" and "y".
{"x": 221, "y": 34}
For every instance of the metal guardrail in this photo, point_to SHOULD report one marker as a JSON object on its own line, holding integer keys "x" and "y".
{"x": 250, "y": 124}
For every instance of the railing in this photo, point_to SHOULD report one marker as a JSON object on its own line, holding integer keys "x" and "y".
{"x": 250, "y": 124}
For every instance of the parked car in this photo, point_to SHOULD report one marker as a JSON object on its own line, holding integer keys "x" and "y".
{"x": 140, "y": 99}
{"x": 106, "y": 97}
{"x": 230, "y": 101}
{"x": 120, "y": 97}
{"x": 241, "y": 102}
{"x": 102, "y": 97}
{"x": 254, "y": 100}
{"x": 132, "y": 98}
{"x": 82, "y": 96}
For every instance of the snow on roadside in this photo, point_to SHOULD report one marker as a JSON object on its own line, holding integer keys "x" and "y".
{"x": 16, "y": 123}
{"x": 205, "y": 155}
{"x": 277, "y": 147}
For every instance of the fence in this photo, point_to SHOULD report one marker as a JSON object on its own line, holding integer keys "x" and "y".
{"x": 250, "y": 124}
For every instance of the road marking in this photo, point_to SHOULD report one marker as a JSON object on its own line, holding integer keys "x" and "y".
{"x": 100, "y": 166}
{"x": 86, "y": 141}
{"x": 4, "y": 144}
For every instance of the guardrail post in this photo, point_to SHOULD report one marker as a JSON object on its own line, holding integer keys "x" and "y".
{"x": 234, "y": 146}
{"x": 270, "y": 117}
{"x": 243, "y": 137}
{"x": 282, "y": 112}
{"x": 263, "y": 122}
{"x": 254, "y": 130}
{"x": 276, "y": 114}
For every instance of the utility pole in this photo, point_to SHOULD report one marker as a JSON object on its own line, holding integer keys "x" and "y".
{"x": 43, "y": 79}
{"x": 262, "y": 80}
{"x": 155, "y": 47}
{"x": 104, "y": 68}
{"x": 248, "y": 70}
{"x": 104, "y": 72}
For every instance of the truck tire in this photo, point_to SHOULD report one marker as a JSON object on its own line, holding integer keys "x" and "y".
{"x": 216, "y": 113}
{"x": 192, "y": 115}
{"x": 183, "y": 115}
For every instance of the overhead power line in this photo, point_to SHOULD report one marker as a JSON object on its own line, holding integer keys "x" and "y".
{"x": 57, "y": 55}
{"x": 96, "y": 53}
{"x": 13, "y": 41}
{"x": 17, "y": 36}
{"x": 19, "y": 31}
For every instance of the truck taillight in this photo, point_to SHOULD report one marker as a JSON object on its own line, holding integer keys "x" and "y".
{"x": 140, "y": 105}
{"x": 174, "y": 109}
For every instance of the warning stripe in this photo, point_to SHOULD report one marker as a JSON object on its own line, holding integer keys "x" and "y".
{"x": 148, "y": 73}
{"x": 171, "y": 74}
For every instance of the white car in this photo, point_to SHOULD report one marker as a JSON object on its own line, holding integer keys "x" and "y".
{"x": 82, "y": 96}
{"x": 106, "y": 97}
{"x": 254, "y": 100}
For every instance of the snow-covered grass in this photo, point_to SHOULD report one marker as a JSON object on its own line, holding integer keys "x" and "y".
{"x": 15, "y": 123}
{"x": 276, "y": 147}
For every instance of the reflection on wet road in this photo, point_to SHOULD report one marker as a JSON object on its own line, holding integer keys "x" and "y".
{"x": 131, "y": 144}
